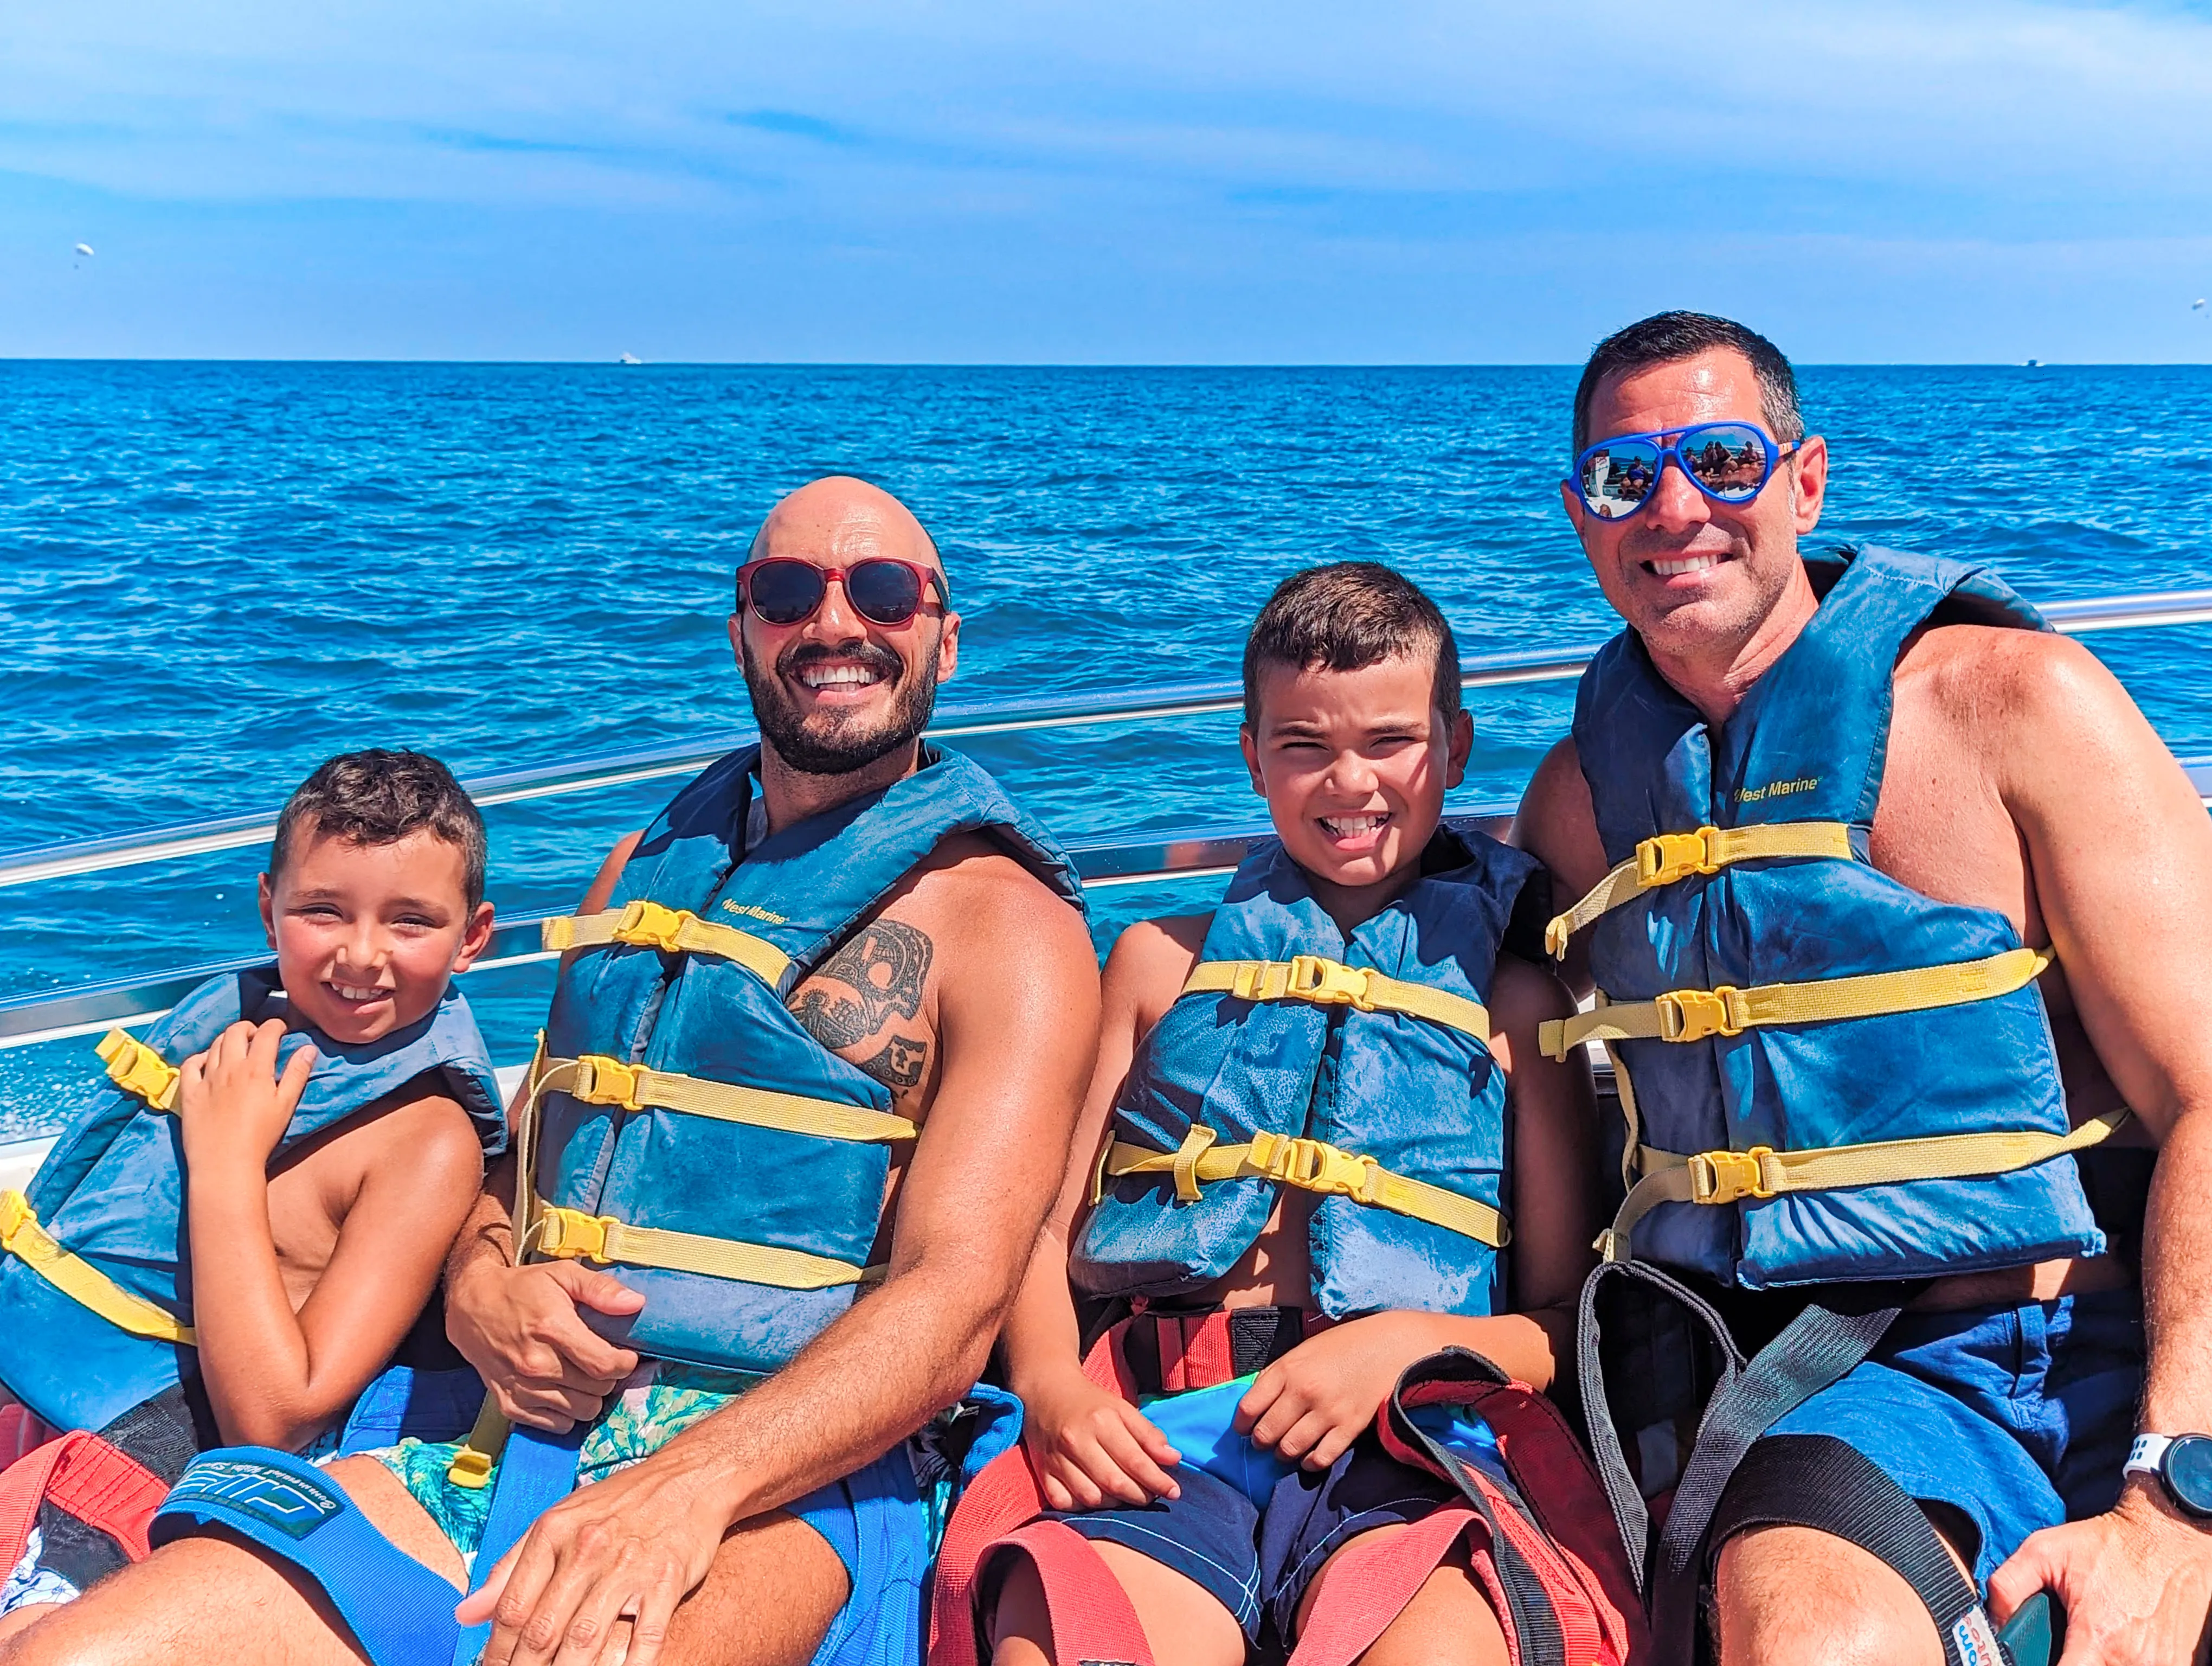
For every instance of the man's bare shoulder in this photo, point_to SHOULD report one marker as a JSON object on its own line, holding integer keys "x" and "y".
{"x": 975, "y": 898}
{"x": 1989, "y": 680}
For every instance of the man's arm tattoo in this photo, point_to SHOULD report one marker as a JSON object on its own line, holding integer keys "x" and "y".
{"x": 901, "y": 1062}
{"x": 884, "y": 966}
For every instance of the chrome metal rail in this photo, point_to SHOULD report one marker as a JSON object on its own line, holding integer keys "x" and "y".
{"x": 588, "y": 774}
{"x": 92, "y": 1007}
{"x": 89, "y": 1009}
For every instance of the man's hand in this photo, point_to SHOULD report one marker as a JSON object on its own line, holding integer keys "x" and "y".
{"x": 520, "y": 1328}
{"x": 1314, "y": 1401}
{"x": 2135, "y": 1584}
{"x": 1092, "y": 1449}
{"x": 233, "y": 1105}
{"x": 633, "y": 1545}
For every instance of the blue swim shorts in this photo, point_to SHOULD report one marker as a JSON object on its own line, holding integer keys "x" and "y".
{"x": 1251, "y": 1531}
{"x": 2016, "y": 1418}
{"x": 876, "y": 1519}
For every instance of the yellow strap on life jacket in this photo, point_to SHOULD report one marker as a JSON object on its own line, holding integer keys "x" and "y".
{"x": 643, "y": 924}
{"x": 1330, "y": 983}
{"x": 1313, "y": 1165}
{"x": 598, "y": 1080}
{"x": 572, "y": 1235}
{"x": 23, "y": 1237}
{"x": 1668, "y": 857}
{"x": 471, "y": 1466}
{"x": 139, "y": 1070}
{"x": 1689, "y": 1015}
{"x": 1717, "y": 1177}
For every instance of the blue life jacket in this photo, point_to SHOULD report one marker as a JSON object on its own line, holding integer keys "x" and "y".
{"x": 1326, "y": 1082}
{"x": 744, "y": 1213}
{"x": 110, "y": 1194}
{"x": 1804, "y": 752}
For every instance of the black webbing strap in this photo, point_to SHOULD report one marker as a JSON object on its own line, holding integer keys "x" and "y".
{"x": 1815, "y": 1349}
{"x": 1818, "y": 1481}
{"x": 1630, "y": 1512}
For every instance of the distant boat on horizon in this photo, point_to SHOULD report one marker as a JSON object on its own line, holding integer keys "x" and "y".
{"x": 630, "y": 358}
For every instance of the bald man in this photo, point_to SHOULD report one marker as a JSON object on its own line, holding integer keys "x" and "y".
{"x": 822, "y": 1030}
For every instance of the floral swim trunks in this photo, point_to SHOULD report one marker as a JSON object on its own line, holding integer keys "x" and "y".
{"x": 659, "y": 1402}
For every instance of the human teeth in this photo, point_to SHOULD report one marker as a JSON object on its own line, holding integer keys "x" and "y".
{"x": 350, "y": 992}
{"x": 827, "y": 676}
{"x": 1674, "y": 569}
{"x": 1350, "y": 827}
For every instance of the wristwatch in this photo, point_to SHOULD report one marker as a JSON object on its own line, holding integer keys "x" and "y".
{"x": 2182, "y": 1464}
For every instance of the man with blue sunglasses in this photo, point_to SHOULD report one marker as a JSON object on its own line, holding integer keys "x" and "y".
{"x": 1894, "y": 902}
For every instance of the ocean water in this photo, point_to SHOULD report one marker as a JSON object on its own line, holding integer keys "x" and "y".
{"x": 212, "y": 576}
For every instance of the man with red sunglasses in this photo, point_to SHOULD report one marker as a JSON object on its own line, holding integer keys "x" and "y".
{"x": 822, "y": 1030}
{"x": 1896, "y": 904}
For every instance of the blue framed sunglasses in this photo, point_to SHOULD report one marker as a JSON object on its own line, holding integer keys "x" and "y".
{"x": 1729, "y": 462}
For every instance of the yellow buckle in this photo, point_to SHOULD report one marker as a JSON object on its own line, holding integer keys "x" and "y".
{"x": 139, "y": 1070}
{"x": 574, "y": 1236}
{"x": 604, "y": 1081}
{"x": 1688, "y": 1015}
{"x": 649, "y": 924}
{"x": 16, "y": 1213}
{"x": 470, "y": 1469}
{"x": 1723, "y": 1177}
{"x": 1672, "y": 856}
{"x": 1314, "y": 1165}
{"x": 1328, "y": 983}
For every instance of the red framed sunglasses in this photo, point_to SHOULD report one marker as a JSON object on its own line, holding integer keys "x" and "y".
{"x": 882, "y": 590}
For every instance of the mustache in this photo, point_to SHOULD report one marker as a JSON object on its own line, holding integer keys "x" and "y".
{"x": 876, "y": 657}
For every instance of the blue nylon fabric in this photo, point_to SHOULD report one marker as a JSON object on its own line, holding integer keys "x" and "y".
{"x": 1201, "y": 1424}
{"x": 1808, "y": 744}
{"x": 398, "y": 1610}
{"x": 1423, "y": 1099}
{"x": 697, "y": 1015}
{"x": 112, "y": 1192}
{"x": 536, "y": 1470}
{"x": 403, "y": 1404}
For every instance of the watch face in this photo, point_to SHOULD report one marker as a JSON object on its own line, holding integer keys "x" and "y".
{"x": 2188, "y": 1470}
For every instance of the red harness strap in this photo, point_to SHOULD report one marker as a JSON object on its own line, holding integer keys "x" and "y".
{"x": 1093, "y": 1622}
{"x": 992, "y": 1514}
{"x": 22, "y": 1432}
{"x": 93, "y": 1482}
{"x": 1370, "y": 1581}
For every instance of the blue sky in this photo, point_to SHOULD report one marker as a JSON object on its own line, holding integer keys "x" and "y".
{"x": 1148, "y": 182}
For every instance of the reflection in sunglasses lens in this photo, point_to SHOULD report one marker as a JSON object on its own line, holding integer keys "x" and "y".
{"x": 1618, "y": 479}
{"x": 1729, "y": 462}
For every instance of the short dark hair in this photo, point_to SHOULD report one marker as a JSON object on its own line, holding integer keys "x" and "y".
{"x": 1664, "y": 338}
{"x": 1345, "y": 616}
{"x": 379, "y": 797}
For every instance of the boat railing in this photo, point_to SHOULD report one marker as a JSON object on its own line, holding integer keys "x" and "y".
{"x": 44, "y": 1016}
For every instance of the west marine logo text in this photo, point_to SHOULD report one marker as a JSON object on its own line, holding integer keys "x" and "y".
{"x": 754, "y": 912}
{"x": 1776, "y": 789}
{"x": 291, "y": 1503}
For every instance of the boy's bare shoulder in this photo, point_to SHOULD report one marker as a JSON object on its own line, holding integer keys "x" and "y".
{"x": 1523, "y": 994}
{"x": 1150, "y": 961}
{"x": 418, "y": 1131}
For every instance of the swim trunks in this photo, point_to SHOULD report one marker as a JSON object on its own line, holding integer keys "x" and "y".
{"x": 1252, "y": 1531}
{"x": 878, "y": 1520}
{"x": 2015, "y": 1417}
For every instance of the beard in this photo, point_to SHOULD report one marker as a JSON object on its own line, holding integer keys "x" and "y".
{"x": 839, "y": 742}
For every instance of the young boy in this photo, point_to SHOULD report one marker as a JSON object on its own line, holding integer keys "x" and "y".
{"x": 332, "y": 1112}
{"x": 1235, "y": 1262}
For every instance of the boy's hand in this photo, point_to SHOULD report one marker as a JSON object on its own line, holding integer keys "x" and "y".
{"x": 1092, "y": 1449}
{"x": 233, "y": 1105}
{"x": 1315, "y": 1402}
